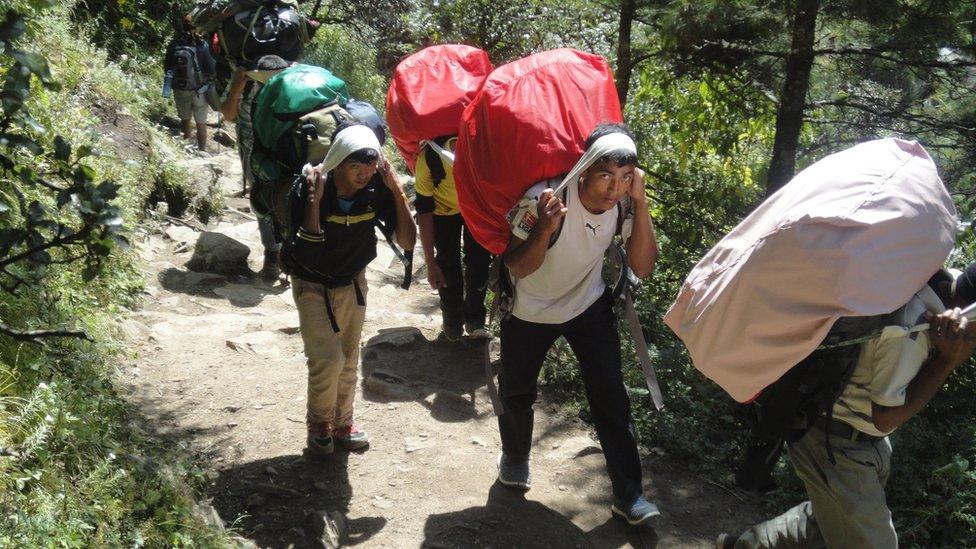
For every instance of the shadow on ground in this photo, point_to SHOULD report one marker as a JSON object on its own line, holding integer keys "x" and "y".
{"x": 509, "y": 520}
{"x": 239, "y": 291}
{"x": 443, "y": 377}
{"x": 276, "y": 501}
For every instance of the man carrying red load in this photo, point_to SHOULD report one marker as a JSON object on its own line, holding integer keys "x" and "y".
{"x": 555, "y": 258}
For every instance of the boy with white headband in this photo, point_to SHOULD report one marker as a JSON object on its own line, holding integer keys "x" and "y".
{"x": 352, "y": 189}
{"x": 559, "y": 237}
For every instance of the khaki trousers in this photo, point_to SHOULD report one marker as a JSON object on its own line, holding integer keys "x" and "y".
{"x": 847, "y": 507}
{"x": 333, "y": 357}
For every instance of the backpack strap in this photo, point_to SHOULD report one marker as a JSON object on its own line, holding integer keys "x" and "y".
{"x": 435, "y": 155}
{"x": 405, "y": 256}
{"x": 250, "y": 31}
{"x": 623, "y": 295}
{"x": 620, "y": 219}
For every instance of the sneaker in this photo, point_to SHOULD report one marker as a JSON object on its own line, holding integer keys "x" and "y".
{"x": 514, "y": 473}
{"x": 451, "y": 333}
{"x": 350, "y": 438}
{"x": 726, "y": 541}
{"x": 639, "y": 511}
{"x": 319, "y": 442}
{"x": 476, "y": 331}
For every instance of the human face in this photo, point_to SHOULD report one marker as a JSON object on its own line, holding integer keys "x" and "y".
{"x": 353, "y": 175}
{"x": 604, "y": 184}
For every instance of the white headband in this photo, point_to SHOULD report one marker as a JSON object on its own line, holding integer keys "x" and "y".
{"x": 348, "y": 141}
{"x": 601, "y": 147}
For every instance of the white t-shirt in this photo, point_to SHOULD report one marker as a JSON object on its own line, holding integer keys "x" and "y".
{"x": 887, "y": 364}
{"x": 570, "y": 278}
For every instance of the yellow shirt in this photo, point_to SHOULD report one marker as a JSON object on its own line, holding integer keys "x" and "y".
{"x": 444, "y": 194}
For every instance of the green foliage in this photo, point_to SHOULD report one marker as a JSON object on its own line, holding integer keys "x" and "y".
{"x": 351, "y": 59}
{"x": 127, "y": 26}
{"x": 53, "y": 210}
{"x": 78, "y": 467}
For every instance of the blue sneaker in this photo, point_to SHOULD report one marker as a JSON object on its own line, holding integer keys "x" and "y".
{"x": 639, "y": 511}
{"x": 514, "y": 474}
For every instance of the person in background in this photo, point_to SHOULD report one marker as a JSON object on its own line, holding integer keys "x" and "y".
{"x": 237, "y": 107}
{"x": 462, "y": 291}
{"x": 189, "y": 70}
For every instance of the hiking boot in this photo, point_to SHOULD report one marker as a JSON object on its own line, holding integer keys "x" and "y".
{"x": 726, "y": 541}
{"x": 514, "y": 474}
{"x": 319, "y": 442}
{"x": 350, "y": 438}
{"x": 270, "y": 271}
{"x": 476, "y": 331}
{"x": 637, "y": 512}
{"x": 451, "y": 332}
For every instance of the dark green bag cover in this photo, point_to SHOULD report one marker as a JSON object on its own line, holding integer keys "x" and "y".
{"x": 291, "y": 94}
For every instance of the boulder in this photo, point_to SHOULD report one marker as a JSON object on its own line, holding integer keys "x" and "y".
{"x": 218, "y": 253}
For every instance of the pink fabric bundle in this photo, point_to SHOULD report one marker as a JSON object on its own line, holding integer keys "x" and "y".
{"x": 855, "y": 234}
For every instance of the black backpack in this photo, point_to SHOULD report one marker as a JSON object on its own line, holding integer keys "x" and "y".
{"x": 187, "y": 72}
{"x": 273, "y": 29}
{"x": 786, "y": 410}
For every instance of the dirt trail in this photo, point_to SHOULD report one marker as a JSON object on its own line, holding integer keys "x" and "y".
{"x": 220, "y": 368}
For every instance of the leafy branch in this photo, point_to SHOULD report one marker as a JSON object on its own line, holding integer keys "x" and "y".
{"x": 59, "y": 217}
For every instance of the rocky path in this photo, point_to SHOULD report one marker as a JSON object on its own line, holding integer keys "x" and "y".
{"x": 220, "y": 369}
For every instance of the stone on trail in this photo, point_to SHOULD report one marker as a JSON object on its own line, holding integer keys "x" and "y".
{"x": 209, "y": 515}
{"x": 574, "y": 447}
{"x": 181, "y": 234}
{"x": 264, "y": 343}
{"x": 218, "y": 253}
{"x": 135, "y": 330}
{"x": 397, "y": 337}
{"x": 389, "y": 385}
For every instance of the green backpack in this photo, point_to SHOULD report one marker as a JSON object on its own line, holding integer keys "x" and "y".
{"x": 294, "y": 117}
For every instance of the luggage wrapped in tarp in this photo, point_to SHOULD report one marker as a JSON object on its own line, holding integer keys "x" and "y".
{"x": 275, "y": 29}
{"x": 292, "y": 94}
{"x": 527, "y": 124}
{"x": 855, "y": 234}
{"x": 429, "y": 91}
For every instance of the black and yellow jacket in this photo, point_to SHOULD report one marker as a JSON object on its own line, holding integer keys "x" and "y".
{"x": 347, "y": 243}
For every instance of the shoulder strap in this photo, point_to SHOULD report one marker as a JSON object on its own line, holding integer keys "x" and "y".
{"x": 620, "y": 219}
{"x": 405, "y": 256}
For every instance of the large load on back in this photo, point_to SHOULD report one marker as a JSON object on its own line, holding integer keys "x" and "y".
{"x": 250, "y": 29}
{"x": 854, "y": 235}
{"x": 294, "y": 117}
{"x": 527, "y": 124}
{"x": 429, "y": 91}
{"x": 296, "y": 113}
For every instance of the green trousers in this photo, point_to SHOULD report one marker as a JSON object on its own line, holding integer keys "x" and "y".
{"x": 847, "y": 506}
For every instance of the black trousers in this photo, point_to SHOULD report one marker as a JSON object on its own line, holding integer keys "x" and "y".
{"x": 463, "y": 300}
{"x": 594, "y": 339}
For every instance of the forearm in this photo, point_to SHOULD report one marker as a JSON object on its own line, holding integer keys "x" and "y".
{"x": 311, "y": 221}
{"x": 525, "y": 258}
{"x": 426, "y": 221}
{"x": 406, "y": 231}
{"x": 230, "y": 108}
{"x": 642, "y": 251}
{"x": 922, "y": 388}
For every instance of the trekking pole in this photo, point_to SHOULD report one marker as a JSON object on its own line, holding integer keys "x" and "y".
{"x": 315, "y": 10}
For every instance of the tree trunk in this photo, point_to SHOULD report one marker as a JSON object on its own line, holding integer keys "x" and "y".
{"x": 792, "y": 102}
{"x": 625, "y": 55}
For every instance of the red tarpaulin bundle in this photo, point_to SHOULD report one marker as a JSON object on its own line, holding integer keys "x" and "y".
{"x": 527, "y": 124}
{"x": 429, "y": 91}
